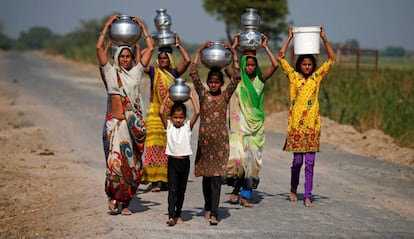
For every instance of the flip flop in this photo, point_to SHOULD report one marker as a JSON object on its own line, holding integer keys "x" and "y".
{"x": 244, "y": 202}
{"x": 171, "y": 222}
{"x": 113, "y": 207}
{"x": 234, "y": 199}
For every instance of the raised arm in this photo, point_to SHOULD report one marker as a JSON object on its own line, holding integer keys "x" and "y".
{"x": 229, "y": 70}
{"x": 100, "y": 49}
{"x": 182, "y": 67}
{"x": 146, "y": 56}
{"x": 196, "y": 110}
{"x": 162, "y": 109}
{"x": 329, "y": 49}
{"x": 271, "y": 69}
{"x": 195, "y": 77}
{"x": 138, "y": 53}
{"x": 282, "y": 51}
{"x": 200, "y": 49}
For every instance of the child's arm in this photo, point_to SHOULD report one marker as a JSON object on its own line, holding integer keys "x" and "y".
{"x": 162, "y": 109}
{"x": 196, "y": 110}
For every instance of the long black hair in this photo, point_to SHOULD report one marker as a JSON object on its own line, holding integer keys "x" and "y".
{"x": 301, "y": 58}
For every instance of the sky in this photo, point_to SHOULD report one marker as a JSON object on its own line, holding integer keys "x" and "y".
{"x": 373, "y": 23}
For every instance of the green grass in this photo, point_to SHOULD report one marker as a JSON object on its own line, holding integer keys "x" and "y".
{"x": 381, "y": 100}
{"x": 367, "y": 99}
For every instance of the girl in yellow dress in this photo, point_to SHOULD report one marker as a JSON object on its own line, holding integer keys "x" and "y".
{"x": 304, "y": 124}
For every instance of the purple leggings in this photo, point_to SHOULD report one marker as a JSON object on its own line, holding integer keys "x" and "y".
{"x": 295, "y": 171}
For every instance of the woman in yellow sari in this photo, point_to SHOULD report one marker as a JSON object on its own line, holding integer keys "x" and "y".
{"x": 162, "y": 77}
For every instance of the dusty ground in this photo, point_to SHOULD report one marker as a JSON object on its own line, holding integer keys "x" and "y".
{"x": 31, "y": 184}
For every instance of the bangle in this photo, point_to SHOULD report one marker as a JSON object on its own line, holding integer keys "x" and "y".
{"x": 235, "y": 60}
{"x": 102, "y": 34}
{"x": 147, "y": 36}
{"x": 177, "y": 45}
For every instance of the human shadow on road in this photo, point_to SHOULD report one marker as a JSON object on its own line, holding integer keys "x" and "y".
{"x": 137, "y": 205}
{"x": 315, "y": 197}
{"x": 187, "y": 215}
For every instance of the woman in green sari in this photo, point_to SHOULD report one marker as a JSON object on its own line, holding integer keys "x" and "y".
{"x": 247, "y": 126}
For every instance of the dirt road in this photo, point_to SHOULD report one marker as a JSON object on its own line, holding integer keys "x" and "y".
{"x": 52, "y": 173}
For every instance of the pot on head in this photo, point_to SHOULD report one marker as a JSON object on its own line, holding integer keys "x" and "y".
{"x": 164, "y": 36}
{"x": 216, "y": 56}
{"x": 250, "y": 40}
{"x": 124, "y": 31}
{"x": 179, "y": 91}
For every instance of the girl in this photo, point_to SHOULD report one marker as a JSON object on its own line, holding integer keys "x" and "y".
{"x": 178, "y": 150}
{"x": 162, "y": 77}
{"x": 213, "y": 139}
{"x": 304, "y": 123}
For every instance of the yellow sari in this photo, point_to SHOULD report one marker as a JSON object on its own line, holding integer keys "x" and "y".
{"x": 156, "y": 161}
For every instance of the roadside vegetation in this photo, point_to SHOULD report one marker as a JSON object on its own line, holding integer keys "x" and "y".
{"x": 366, "y": 99}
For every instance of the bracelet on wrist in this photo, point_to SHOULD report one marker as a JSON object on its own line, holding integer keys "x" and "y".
{"x": 102, "y": 34}
{"x": 147, "y": 36}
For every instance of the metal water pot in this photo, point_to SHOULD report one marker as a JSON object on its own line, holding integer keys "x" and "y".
{"x": 179, "y": 91}
{"x": 124, "y": 31}
{"x": 216, "y": 56}
{"x": 162, "y": 22}
{"x": 250, "y": 20}
{"x": 250, "y": 38}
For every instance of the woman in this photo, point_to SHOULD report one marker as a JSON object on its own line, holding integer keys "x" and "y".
{"x": 304, "y": 123}
{"x": 162, "y": 77}
{"x": 213, "y": 140}
{"x": 247, "y": 125}
{"x": 124, "y": 121}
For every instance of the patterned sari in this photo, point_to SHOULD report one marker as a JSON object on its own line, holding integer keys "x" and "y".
{"x": 246, "y": 130}
{"x": 126, "y": 138}
{"x": 156, "y": 161}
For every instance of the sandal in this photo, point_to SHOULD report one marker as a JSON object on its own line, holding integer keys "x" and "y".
{"x": 234, "y": 199}
{"x": 155, "y": 188}
{"x": 113, "y": 207}
{"x": 171, "y": 222}
{"x": 244, "y": 202}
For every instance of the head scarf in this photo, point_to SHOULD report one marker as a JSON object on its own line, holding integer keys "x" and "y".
{"x": 131, "y": 81}
{"x": 162, "y": 77}
{"x": 251, "y": 102}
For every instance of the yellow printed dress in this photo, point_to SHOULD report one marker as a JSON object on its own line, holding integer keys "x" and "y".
{"x": 304, "y": 123}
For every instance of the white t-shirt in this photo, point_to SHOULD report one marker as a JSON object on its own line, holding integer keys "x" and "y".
{"x": 178, "y": 139}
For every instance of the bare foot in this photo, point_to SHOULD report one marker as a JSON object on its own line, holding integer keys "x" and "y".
{"x": 213, "y": 221}
{"x": 179, "y": 220}
{"x": 293, "y": 197}
{"x": 207, "y": 215}
{"x": 126, "y": 212}
{"x": 308, "y": 202}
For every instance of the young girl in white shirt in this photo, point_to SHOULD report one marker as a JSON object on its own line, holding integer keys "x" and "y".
{"x": 178, "y": 151}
